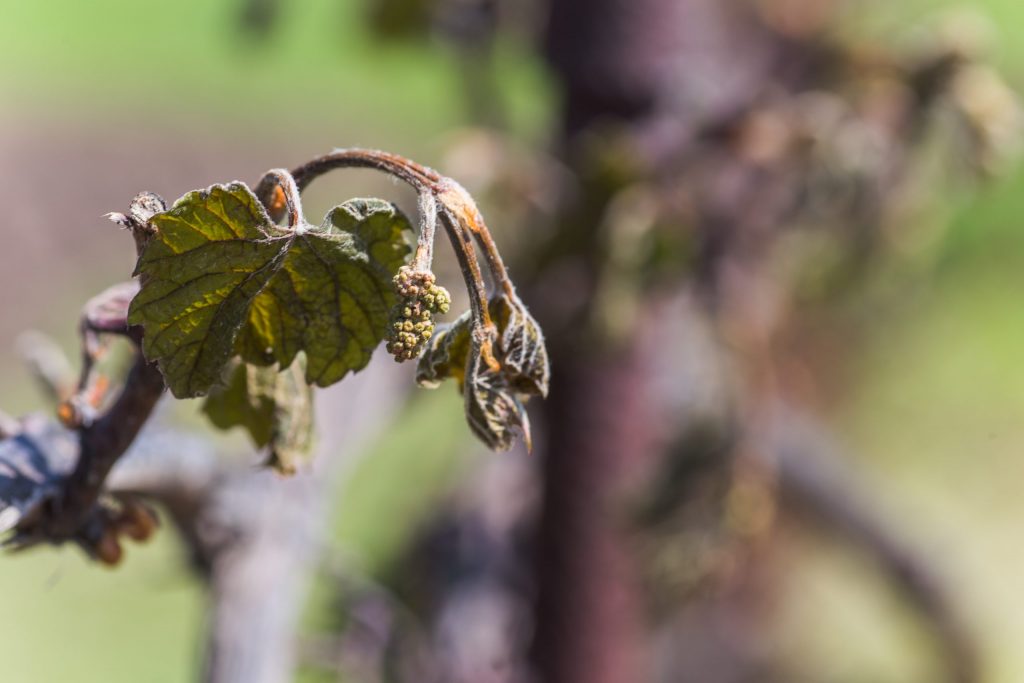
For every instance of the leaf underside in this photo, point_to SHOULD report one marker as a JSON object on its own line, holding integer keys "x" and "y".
{"x": 275, "y": 407}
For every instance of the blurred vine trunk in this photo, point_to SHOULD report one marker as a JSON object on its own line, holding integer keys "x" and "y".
{"x": 650, "y": 74}
{"x": 590, "y": 623}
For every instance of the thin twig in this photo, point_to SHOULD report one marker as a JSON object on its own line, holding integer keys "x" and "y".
{"x": 48, "y": 364}
{"x": 466, "y": 257}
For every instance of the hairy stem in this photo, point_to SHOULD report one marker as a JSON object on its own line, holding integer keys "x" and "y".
{"x": 424, "y": 256}
{"x": 461, "y": 206}
{"x": 419, "y": 177}
{"x": 422, "y": 179}
{"x": 494, "y": 262}
{"x": 470, "y": 269}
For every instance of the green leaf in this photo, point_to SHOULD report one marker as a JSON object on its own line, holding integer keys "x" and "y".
{"x": 220, "y": 278}
{"x": 276, "y": 408}
{"x": 333, "y": 296}
{"x": 213, "y": 252}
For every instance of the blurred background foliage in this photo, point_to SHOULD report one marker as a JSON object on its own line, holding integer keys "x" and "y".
{"x": 101, "y": 99}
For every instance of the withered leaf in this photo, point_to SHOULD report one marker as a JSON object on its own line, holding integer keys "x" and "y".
{"x": 445, "y": 355}
{"x": 493, "y": 411}
{"x": 275, "y": 407}
{"x": 521, "y": 347}
{"x": 495, "y": 372}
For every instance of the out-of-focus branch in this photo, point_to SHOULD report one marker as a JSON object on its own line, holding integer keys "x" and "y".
{"x": 260, "y": 539}
{"x": 55, "y": 475}
{"x": 63, "y": 505}
{"x": 9, "y": 426}
{"x": 254, "y": 538}
{"x": 70, "y": 513}
{"x": 48, "y": 365}
{"x": 103, "y": 443}
{"x": 813, "y": 484}
{"x": 34, "y": 462}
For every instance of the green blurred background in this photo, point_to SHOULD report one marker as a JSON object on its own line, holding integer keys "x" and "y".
{"x": 99, "y": 100}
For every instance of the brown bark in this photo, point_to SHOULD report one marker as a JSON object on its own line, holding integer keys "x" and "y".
{"x": 590, "y": 623}
{"x": 662, "y": 71}
{"x": 611, "y": 59}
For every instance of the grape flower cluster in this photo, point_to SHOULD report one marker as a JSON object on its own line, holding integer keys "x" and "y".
{"x": 412, "y": 324}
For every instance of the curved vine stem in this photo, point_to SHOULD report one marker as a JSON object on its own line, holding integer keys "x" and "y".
{"x": 466, "y": 257}
{"x": 418, "y": 176}
{"x": 437, "y": 195}
{"x": 462, "y": 207}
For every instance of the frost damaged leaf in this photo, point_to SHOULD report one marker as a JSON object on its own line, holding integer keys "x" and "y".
{"x": 493, "y": 411}
{"x": 217, "y": 266}
{"x": 445, "y": 355}
{"x": 521, "y": 348}
{"x": 333, "y": 295}
{"x": 213, "y": 252}
{"x": 496, "y": 372}
{"x": 276, "y": 408}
